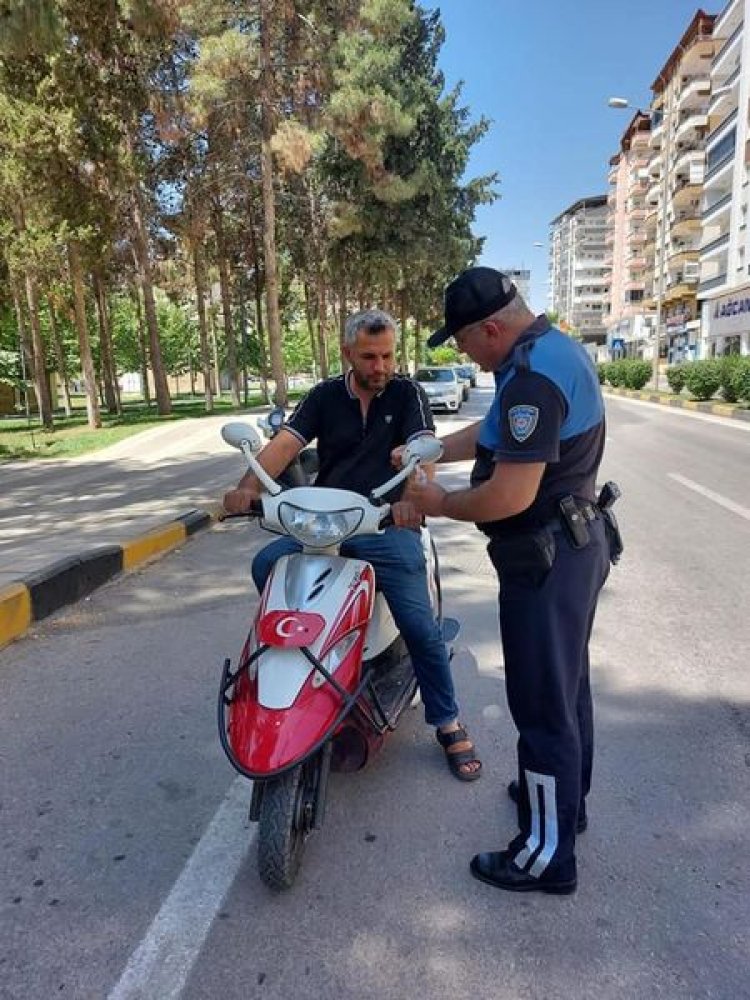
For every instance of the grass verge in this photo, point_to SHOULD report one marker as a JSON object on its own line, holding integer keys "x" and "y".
{"x": 22, "y": 440}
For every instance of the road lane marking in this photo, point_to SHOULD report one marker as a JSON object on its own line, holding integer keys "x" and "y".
{"x": 710, "y": 495}
{"x": 159, "y": 967}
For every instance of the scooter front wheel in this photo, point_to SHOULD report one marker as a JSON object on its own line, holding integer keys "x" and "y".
{"x": 287, "y": 818}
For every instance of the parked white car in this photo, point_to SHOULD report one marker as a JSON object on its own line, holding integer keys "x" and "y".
{"x": 442, "y": 386}
{"x": 465, "y": 381}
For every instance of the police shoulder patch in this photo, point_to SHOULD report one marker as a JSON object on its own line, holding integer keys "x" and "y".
{"x": 523, "y": 420}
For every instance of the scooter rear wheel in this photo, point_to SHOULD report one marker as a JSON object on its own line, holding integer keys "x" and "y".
{"x": 287, "y": 813}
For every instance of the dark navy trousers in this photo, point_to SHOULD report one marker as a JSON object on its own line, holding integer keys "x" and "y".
{"x": 545, "y": 623}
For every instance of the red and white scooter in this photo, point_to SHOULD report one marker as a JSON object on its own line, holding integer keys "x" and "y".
{"x": 323, "y": 675}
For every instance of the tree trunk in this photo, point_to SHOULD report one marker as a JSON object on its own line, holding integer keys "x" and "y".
{"x": 269, "y": 209}
{"x": 311, "y": 328}
{"x": 214, "y": 341}
{"x": 84, "y": 344}
{"x": 322, "y": 332}
{"x": 26, "y": 353}
{"x": 143, "y": 346}
{"x": 105, "y": 345}
{"x": 226, "y": 307}
{"x": 143, "y": 267}
{"x": 342, "y": 311}
{"x": 418, "y": 343}
{"x": 200, "y": 302}
{"x": 404, "y": 333}
{"x": 259, "y": 325}
{"x": 41, "y": 385}
{"x": 62, "y": 368}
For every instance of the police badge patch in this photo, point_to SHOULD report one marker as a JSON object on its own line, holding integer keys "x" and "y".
{"x": 523, "y": 420}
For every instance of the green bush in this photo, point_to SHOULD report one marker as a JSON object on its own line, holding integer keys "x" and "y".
{"x": 636, "y": 373}
{"x": 729, "y": 365}
{"x": 741, "y": 379}
{"x": 601, "y": 371}
{"x": 616, "y": 373}
{"x": 703, "y": 378}
{"x": 676, "y": 378}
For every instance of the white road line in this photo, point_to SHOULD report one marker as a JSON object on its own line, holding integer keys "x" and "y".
{"x": 159, "y": 967}
{"x": 709, "y": 494}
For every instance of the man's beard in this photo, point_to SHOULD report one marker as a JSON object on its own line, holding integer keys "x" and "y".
{"x": 369, "y": 384}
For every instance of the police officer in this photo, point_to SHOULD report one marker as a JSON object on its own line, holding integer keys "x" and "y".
{"x": 532, "y": 492}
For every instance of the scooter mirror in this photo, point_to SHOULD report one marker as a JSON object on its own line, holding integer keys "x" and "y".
{"x": 425, "y": 447}
{"x": 237, "y": 434}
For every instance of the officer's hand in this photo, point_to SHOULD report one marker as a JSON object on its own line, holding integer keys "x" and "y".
{"x": 405, "y": 514}
{"x": 397, "y": 456}
{"x": 426, "y": 495}
{"x": 240, "y": 501}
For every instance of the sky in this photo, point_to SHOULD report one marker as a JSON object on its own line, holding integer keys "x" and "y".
{"x": 542, "y": 71}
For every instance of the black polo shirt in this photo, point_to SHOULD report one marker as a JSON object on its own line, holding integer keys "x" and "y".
{"x": 355, "y": 454}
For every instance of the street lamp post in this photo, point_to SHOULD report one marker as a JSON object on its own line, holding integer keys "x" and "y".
{"x": 622, "y": 103}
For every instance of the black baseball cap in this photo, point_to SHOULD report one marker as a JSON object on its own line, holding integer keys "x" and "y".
{"x": 473, "y": 296}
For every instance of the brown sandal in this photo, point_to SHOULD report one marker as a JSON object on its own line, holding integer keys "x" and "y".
{"x": 457, "y": 758}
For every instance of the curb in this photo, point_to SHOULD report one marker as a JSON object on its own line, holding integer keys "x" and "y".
{"x": 717, "y": 409}
{"x": 32, "y": 598}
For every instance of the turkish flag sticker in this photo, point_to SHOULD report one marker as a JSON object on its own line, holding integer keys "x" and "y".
{"x": 290, "y": 628}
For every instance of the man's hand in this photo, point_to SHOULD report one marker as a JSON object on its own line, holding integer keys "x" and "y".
{"x": 405, "y": 514}
{"x": 426, "y": 496}
{"x": 240, "y": 501}
{"x": 397, "y": 457}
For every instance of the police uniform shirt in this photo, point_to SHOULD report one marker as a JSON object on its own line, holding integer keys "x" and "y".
{"x": 548, "y": 408}
{"x": 355, "y": 453}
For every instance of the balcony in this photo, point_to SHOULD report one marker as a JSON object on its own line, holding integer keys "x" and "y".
{"x": 721, "y": 60}
{"x": 682, "y": 256}
{"x": 691, "y": 161}
{"x": 720, "y": 102}
{"x": 656, "y": 135}
{"x": 691, "y": 127}
{"x": 715, "y": 246}
{"x": 718, "y": 133}
{"x": 711, "y": 283}
{"x": 728, "y": 19}
{"x": 686, "y": 225}
{"x": 655, "y": 164}
{"x": 694, "y": 92}
{"x": 652, "y": 195}
{"x": 713, "y": 174}
{"x": 716, "y": 208}
{"x": 686, "y": 195}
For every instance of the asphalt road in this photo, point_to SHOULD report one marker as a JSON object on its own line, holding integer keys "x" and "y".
{"x": 127, "y": 868}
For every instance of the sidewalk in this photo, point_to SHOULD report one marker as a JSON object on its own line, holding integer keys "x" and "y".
{"x": 67, "y": 526}
{"x": 681, "y": 403}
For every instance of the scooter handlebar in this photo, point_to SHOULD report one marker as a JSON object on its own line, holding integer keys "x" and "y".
{"x": 256, "y": 510}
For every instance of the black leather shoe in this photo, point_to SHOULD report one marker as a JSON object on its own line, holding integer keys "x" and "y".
{"x": 582, "y": 823}
{"x": 498, "y": 869}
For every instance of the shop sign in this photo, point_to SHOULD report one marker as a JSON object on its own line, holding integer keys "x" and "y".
{"x": 729, "y": 314}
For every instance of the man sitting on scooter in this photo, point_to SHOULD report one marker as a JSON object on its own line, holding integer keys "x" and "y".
{"x": 358, "y": 418}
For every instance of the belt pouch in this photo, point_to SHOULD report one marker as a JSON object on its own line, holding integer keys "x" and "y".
{"x": 531, "y": 554}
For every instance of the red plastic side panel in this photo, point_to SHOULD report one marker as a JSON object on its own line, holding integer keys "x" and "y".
{"x": 267, "y": 740}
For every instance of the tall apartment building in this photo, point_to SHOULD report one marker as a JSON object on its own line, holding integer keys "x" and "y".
{"x": 579, "y": 274}
{"x": 628, "y": 325}
{"x": 679, "y": 127}
{"x": 521, "y": 278}
{"x": 724, "y": 288}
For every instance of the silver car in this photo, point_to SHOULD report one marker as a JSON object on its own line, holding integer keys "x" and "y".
{"x": 442, "y": 386}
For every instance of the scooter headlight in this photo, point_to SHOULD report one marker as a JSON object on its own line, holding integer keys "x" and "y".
{"x": 319, "y": 530}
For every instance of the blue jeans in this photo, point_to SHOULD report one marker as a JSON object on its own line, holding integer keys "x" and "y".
{"x": 398, "y": 560}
